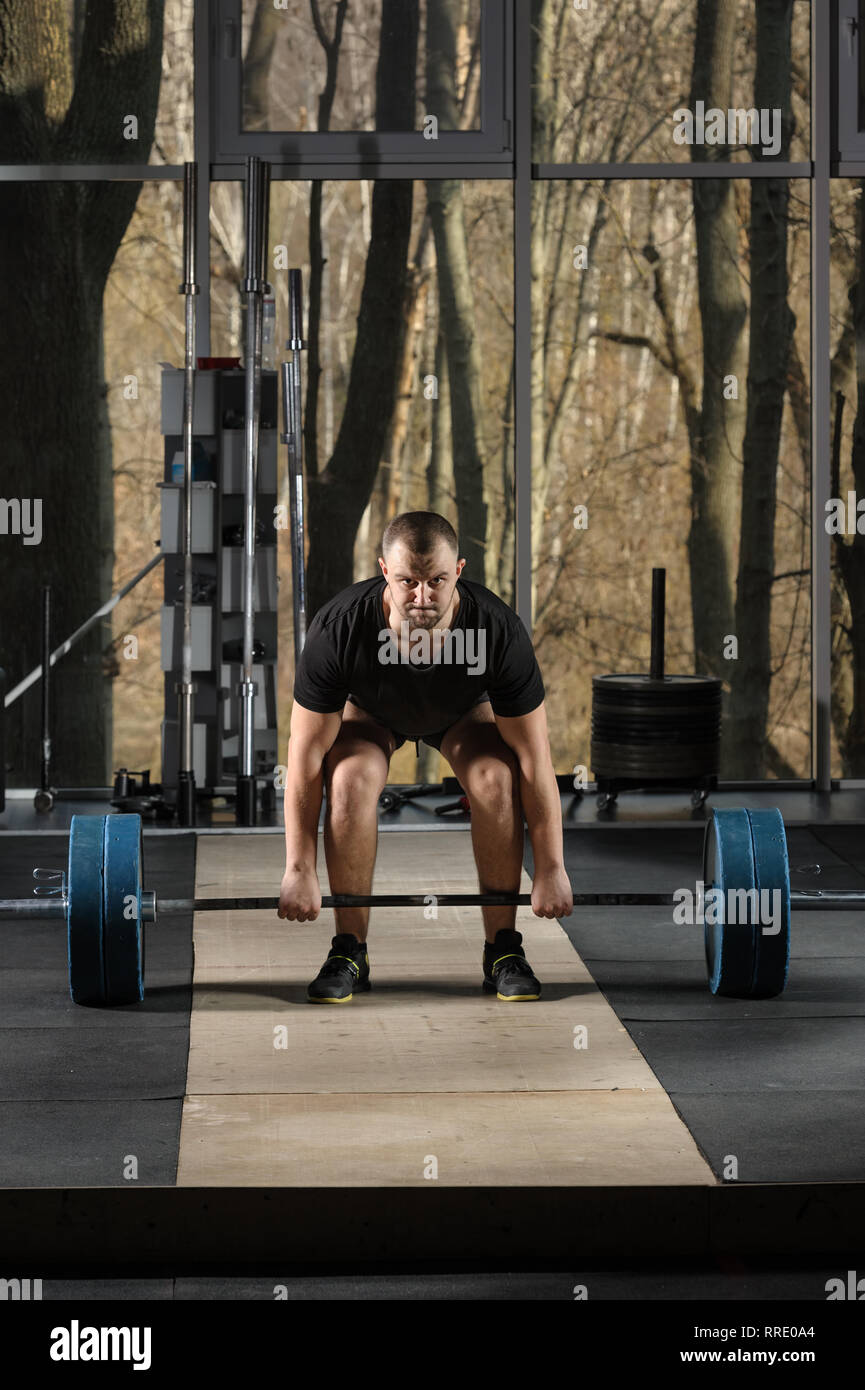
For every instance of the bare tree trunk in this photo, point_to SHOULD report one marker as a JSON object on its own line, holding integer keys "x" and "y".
{"x": 367, "y": 546}
{"x": 723, "y": 313}
{"x": 841, "y": 663}
{"x": 851, "y": 557}
{"x": 316, "y": 256}
{"x": 266, "y": 24}
{"x": 772, "y": 323}
{"x": 542, "y": 140}
{"x": 397, "y": 450}
{"x": 456, "y": 302}
{"x": 338, "y": 496}
{"x": 57, "y": 245}
{"x": 440, "y": 467}
{"x": 843, "y": 375}
{"x": 390, "y": 484}
{"x": 505, "y": 587}
{"x": 464, "y": 371}
{"x": 800, "y": 396}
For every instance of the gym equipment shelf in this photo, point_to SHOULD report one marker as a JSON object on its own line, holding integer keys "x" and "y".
{"x": 217, "y": 515}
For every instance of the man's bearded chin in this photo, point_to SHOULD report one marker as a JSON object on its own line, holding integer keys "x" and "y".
{"x": 427, "y": 619}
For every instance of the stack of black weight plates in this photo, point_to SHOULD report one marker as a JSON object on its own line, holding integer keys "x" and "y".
{"x": 657, "y": 729}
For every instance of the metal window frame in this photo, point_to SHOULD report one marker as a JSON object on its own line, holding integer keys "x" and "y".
{"x": 848, "y": 56}
{"x": 685, "y": 169}
{"x": 832, "y": 156}
{"x": 302, "y": 150}
{"x": 90, "y": 173}
{"x": 823, "y": 24}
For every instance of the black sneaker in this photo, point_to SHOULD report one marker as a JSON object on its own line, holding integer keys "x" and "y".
{"x": 345, "y": 970}
{"x": 506, "y": 969}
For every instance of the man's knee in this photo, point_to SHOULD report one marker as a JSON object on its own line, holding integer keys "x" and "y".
{"x": 492, "y": 779}
{"x": 354, "y": 780}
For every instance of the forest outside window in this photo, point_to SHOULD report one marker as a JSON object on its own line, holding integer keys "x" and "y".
{"x": 850, "y": 59}
{"x": 670, "y": 81}
{"x": 308, "y": 80}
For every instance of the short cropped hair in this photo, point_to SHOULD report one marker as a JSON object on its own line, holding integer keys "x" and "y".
{"x": 420, "y": 532}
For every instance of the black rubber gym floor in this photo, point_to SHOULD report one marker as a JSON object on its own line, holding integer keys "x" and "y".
{"x": 83, "y": 1089}
{"x": 777, "y": 1085}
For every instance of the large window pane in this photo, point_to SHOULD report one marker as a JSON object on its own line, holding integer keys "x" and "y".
{"x": 144, "y": 327}
{"x": 610, "y": 79}
{"x": 291, "y": 55}
{"x": 81, "y": 388}
{"x": 656, "y": 408}
{"x": 444, "y": 450}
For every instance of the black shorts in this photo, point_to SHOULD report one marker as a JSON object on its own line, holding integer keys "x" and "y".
{"x": 434, "y": 740}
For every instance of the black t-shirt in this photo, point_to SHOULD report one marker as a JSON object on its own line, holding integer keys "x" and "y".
{"x": 351, "y": 653}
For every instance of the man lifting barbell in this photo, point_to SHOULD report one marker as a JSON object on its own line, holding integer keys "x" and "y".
{"x": 420, "y": 654}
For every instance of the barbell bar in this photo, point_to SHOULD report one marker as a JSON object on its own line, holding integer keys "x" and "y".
{"x": 102, "y": 899}
{"x": 39, "y": 909}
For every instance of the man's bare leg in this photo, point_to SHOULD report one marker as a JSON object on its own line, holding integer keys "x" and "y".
{"x": 355, "y": 772}
{"x": 489, "y": 773}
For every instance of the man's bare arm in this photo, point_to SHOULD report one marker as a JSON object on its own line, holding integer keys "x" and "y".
{"x": 528, "y": 738}
{"x": 311, "y": 736}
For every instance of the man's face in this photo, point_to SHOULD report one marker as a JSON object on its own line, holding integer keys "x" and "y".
{"x": 421, "y": 587}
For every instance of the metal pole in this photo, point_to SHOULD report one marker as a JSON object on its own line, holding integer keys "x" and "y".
{"x": 254, "y": 286}
{"x": 293, "y": 437}
{"x": 659, "y": 578}
{"x": 821, "y": 556}
{"x": 44, "y": 798}
{"x": 185, "y": 687}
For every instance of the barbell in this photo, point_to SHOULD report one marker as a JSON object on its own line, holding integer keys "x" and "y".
{"x": 744, "y": 900}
